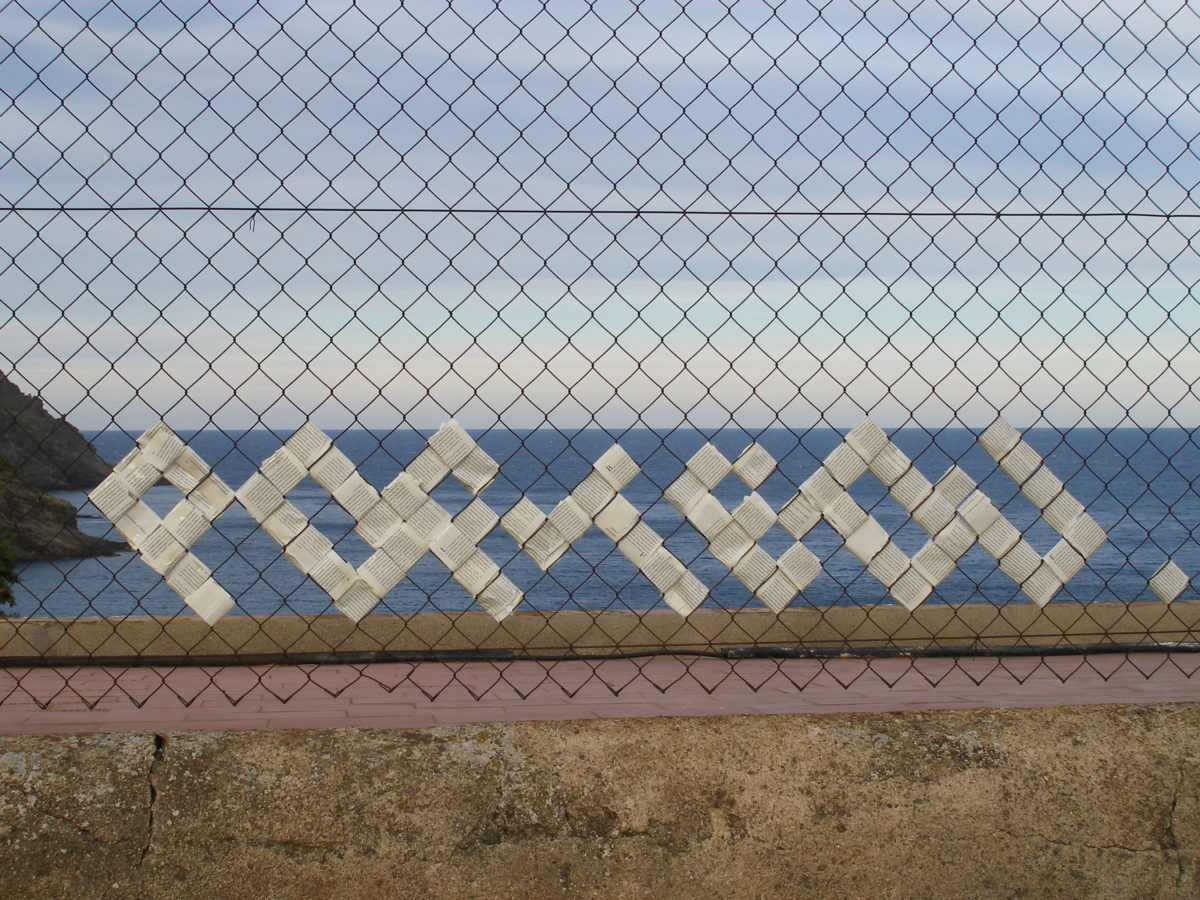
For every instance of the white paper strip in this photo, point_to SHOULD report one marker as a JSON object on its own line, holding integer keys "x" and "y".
{"x": 800, "y": 565}
{"x": 911, "y": 490}
{"x": 404, "y": 547}
{"x": 1064, "y": 560}
{"x": 798, "y": 516}
{"x": 212, "y": 497}
{"x": 451, "y": 547}
{"x": 500, "y": 598}
{"x": 546, "y": 546}
{"x": 331, "y": 469}
{"x": 210, "y": 601}
{"x": 137, "y": 473}
{"x": 1020, "y": 462}
{"x": 845, "y": 465}
{"x": 186, "y": 523}
{"x": 187, "y": 471}
{"x": 355, "y": 495}
{"x": 933, "y": 563}
{"x": 685, "y": 492}
{"x": 260, "y": 497}
{"x": 618, "y": 518}
{"x": 1041, "y": 586}
{"x": 284, "y": 469}
{"x": 160, "y": 445}
{"x": 308, "y": 444}
{"x": 911, "y": 589}
{"x": 934, "y": 513}
{"x": 889, "y": 465}
{"x": 451, "y": 443}
{"x": 755, "y": 567}
{"x": 754, "y": 466}
{"x": 593, "y": 493}
{"x": 709, "y": 465}
{"x": 867, "y": 440}
{"x": 999, "y": 537}
{"x": 979, "y": 512}
{"x": 1085, "y": 535}
{"x": 570, "y": 520}
{"x": 381, "y": 572}
{"x": 867, "y": 541}
{"x": 1041, "y": 488}
{"x": 845, "y": 515}
{"x": 755, "y": 515}
{"x": 663, "y": 569}
{"x": 639, "y": 544}
{"x": 374, "y": 525}
{"x": 730, "y": 544}
{"x": 357, "y": 600}
{"x": 188, "y": 575}
{"x": 161, "y": 550}
{"x": 999, "y": 439}
{"x": 476, "y": 573}
{"x": 685, "y": 594}
{"x": 1020, "y": 562}
{"x": 333, "y": 574}
{"x": 404, "y": 495}
{"x": 476, "y": 520}
{"x": 429, "y": 520}
{"x": 428, "y": 469}
{"x": 776, "y": 592}
{"x": 1168, "y": 582}
{"x": 1062, "y": 511}
{"x": 821, "y": 490}
{"x": 523, "y": 520}
{"x": 307, "y": 549}
{"x": 135, "y": 523}
{"x": 477, "y": 471}
{"x": 709, "y": 517}
{"x": 616, "y": 467}
{"x": 888, "y": 564}
{"x": 112, "y": 496}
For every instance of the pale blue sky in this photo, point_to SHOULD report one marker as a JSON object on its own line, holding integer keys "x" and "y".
{"x": 518, "y": 318}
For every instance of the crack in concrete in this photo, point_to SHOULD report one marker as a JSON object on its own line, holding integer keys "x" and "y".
{"x": 160, "y": 745}
{"x": 1076, "y": 845}
{"x": 1172, "y": 840}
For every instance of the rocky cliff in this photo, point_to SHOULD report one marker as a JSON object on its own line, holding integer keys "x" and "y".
{"x": 44, "y": 527}
{"x": 47, "y": 452}
{"x": 39, "y": 452}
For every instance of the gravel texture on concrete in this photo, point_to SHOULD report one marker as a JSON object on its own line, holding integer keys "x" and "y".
{"x": 1051, "y": 802}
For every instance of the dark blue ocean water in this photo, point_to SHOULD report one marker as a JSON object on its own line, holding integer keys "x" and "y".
{"x": 1143, "y": 487}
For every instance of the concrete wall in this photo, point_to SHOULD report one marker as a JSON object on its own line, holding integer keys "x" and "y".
{"x": 1064, "y": 802}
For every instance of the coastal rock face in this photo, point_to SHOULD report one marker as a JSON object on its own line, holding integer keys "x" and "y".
{"x": 45, "y": 527}
{"x": 40, "y": 453}
{"x": 47, "y": 452}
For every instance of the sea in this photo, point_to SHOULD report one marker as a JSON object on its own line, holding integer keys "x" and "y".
{"x": 1141, "y": 486}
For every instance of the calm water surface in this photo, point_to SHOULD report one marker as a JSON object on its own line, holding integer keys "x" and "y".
{"x": 1141, "y": 486}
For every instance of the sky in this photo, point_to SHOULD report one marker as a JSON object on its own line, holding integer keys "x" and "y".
{"x": 736, "y": 213}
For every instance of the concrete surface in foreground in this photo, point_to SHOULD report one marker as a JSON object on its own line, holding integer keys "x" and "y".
{"x": 1096, "y": 801}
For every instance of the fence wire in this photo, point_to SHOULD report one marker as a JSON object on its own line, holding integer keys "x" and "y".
{"x": 435, "y": 340}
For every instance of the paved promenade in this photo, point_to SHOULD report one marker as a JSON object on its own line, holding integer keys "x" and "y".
{"x": 401, "y": 695}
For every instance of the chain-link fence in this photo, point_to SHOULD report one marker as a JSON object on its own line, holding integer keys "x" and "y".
{"x": 569, "y": 330}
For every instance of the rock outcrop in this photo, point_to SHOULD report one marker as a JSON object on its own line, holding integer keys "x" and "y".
{"x": 47, "y": 452}
{"x": 39, "y": 452}
{"x": 40, "y": 526}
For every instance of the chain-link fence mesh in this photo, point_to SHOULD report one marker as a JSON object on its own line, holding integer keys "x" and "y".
{"x": 570, "y": 330}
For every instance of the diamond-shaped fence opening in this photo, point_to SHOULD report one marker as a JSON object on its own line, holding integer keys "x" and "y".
{"x": 444, "y": 336}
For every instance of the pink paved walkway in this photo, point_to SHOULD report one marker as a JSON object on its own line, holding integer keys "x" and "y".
{"x": 393, "y": 695}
